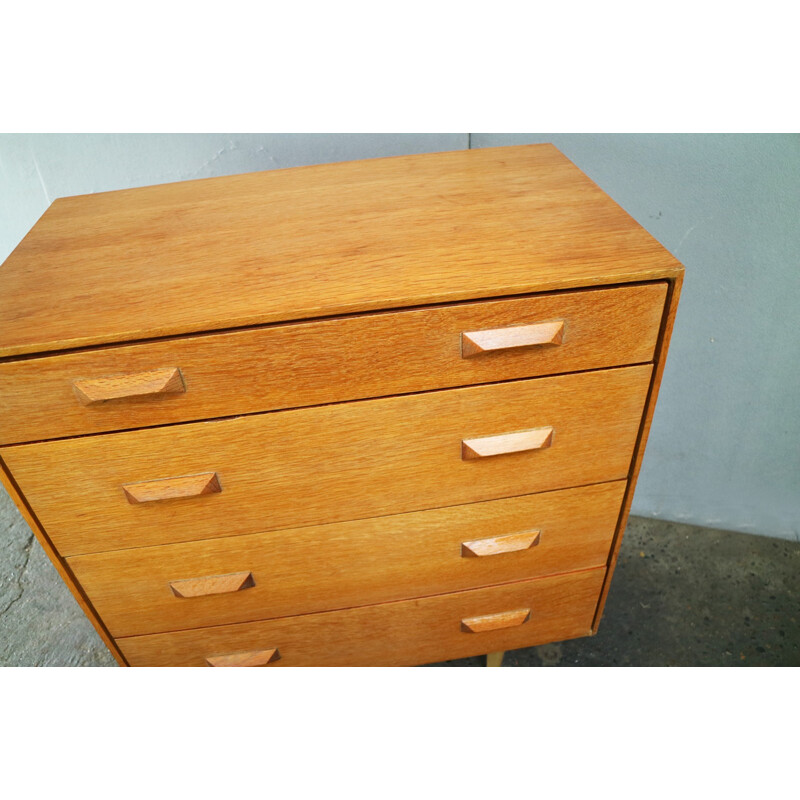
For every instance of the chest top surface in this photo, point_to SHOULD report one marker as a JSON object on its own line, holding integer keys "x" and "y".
{"x": 315, "y": 241}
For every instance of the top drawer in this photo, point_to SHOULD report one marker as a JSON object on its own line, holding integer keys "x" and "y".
{"x": 299, "y": 364}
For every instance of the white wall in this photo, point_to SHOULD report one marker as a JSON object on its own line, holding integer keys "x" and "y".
{"x": 724, "y": 448}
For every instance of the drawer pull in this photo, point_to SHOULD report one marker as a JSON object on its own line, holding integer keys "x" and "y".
{"x": 253, "y": 658}
{"x": 535, "y": 439}
{"x": 475, "y": 343}
{"x": 155, "y": 383}
{"x": 496, "y": 545}
{"x": 212, "y": 584}
{"x": 495, "y": 622}
{"x": 172, "y": 488}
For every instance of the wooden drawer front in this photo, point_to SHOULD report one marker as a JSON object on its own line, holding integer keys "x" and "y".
{"x": 347, "y": 564}
{"x": 408, "y": 632}
{"x": 328, "y": 464}
{"x": 302, "y": 364}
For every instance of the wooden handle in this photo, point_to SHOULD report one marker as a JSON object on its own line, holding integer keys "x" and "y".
{"x": 155, "y": 383}
{"x": 171, "y": 488}
{"x": 253, "y": 658}
{"x": 494, "y": 622}
{"x": 212, "y": 584}
{"x": 510, "y": 543}
{"x": 475, "y": 343}
{"x": 535, "y": 439}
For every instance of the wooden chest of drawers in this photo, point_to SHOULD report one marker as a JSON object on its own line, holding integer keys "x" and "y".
{"x": 373, "y": 413}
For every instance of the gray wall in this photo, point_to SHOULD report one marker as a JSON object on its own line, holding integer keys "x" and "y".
{"x": 725, "y": 444}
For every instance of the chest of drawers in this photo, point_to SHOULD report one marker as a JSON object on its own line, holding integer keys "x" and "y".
{"x": 385, "y": 412}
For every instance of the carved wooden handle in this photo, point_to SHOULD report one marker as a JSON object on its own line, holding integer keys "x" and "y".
{"x": 157, "y": 382}
{"x": 494, "y": 622}
{"x": 254, "y": 658}
{"x": 171, "y": 488}
{"x": 212, "y": 584}
{"x": 510, "y": 543}
{"x": 476, "y": 342}
{"x": 535, "y": 439}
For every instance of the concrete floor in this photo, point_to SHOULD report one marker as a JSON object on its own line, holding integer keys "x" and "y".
{"x": 681, "y": 596}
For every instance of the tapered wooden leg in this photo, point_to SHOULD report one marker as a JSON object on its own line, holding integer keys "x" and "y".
{"x": 495, "y": 659}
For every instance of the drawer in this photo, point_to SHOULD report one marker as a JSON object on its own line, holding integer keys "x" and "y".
{"x": 345, "y": 564}
{"x": 408, "y": 632}
{"x": 301, "y": 364}
{"x": 332, "y": 463}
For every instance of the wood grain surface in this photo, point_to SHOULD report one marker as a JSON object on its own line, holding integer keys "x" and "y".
{"x": 497, "y": 621}
{"x": 505, "y": 443}
{"x": 254, "y": 658}
{"x": 403, "y": 633}
{"x": 506, "y": 543}
{"x": 514, "y": 337}
{"x": 332, "y": 463}
{"x": 354, "y": 563}
{"x": 315, "y": 241}
{"x": 176, "y": 487}
{"x": 123, "y": 387}
{"x": 365, "y": 356}
{"x": 242, "y": 414}
{"x": 210, "y": 584}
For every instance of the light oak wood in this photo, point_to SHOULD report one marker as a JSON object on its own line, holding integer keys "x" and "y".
{"x": 178, "y": 487}
{"x": 255, "y": 658}
{"x": 365, "y": 356}
{"x": 316, "y": 241}
{"x": 477, "y": 343}
{"x": 434, "y": 523}
{"x": 64, "y": 572}
{"x": 212, "y": 584}
{"x": 496, "y": 622}
{"x": 495, "y": 545}
{"x": 495, "y": 659}
{"x": 333, "y": 463}
{"x": 354, "y": 563}
{"x": 661, "y": 356}
{"x": 122, "y": 387}
{"x": 505, "y": 443}
{"x": 408, "y": 632}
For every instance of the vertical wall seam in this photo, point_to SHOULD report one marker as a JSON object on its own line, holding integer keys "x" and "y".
{"x": 41, "y": 178}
